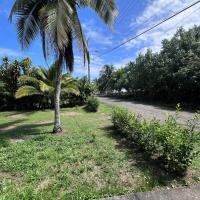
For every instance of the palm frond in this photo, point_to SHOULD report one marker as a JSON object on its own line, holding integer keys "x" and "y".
{"x": 56, "y": 19}
{"x": 106, "y": 9}
{"x": 69, "y": 54}
{"x": 28, "y": 23}
{"x": 69, "y": 85}
{"x": 46, "y": 88}
{"x": 80, "y": 37}
{"x": 71, "y": 91}
{"x": 26, "y": 91}
{"x": 24, "y": 80}
{"x": 58, "y": 23}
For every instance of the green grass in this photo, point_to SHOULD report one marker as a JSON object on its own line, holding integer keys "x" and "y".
{"x": 86, "y": 162}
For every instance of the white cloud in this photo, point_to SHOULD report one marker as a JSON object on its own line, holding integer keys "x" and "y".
{"x": 95, "y": 66}
{"x": 8, "y": 52}
{"x": 155, "y": 12}
{"x": 96, "y": 34}
{"x": 122, "y": 62}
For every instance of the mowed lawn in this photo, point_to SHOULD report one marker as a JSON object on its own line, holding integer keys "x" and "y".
{"x": 87, "y": 161}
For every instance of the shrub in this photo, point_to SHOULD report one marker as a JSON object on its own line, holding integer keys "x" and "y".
{"x": 125, "y": 122}
{"x": 171, "y": 144}
{"x": 92, "y": 104}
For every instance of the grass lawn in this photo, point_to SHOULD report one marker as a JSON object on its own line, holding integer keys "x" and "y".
{"x": 87, "y": 161}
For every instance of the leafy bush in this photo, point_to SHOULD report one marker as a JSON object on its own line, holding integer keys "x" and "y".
{"x": 92, "y": 104}
{"x": 125, "y": 122}
{"x": 169, "y": 143}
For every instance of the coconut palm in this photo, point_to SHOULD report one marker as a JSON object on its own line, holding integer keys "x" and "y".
{"x": 43, "y": 82}
{"x": 58, "y": 24}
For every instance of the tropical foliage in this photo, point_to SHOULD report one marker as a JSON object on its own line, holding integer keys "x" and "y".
{"x": 42, "y": 82}
{"x": 171, "y": 76}
{"x": 170, "y": 144}
{"x": 9, "y": 74}
{"x": 33, "y": 87}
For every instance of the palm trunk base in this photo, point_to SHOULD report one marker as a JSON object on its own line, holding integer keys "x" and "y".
{"x": 57, "y": 129}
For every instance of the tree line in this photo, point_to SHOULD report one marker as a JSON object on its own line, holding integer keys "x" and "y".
{"x": 23, "y": 86}
{"x": 171, "y": 76}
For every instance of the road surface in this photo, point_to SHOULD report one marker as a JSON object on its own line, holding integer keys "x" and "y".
{"x": 147, "y": 111}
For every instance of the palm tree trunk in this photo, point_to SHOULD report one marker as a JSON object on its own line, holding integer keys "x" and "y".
{"x": 57, "y": 123}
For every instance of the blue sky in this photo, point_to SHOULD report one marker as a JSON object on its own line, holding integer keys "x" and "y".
{"x": 134, "y": 17}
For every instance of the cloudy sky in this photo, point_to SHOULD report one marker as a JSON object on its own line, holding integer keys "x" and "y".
{"x": 134, "y": 17}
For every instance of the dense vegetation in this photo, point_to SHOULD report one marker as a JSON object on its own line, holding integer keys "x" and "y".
{"x": 25, "y": 87}
{"x": 170, "y": 144}
{"x": 171, "y": 76}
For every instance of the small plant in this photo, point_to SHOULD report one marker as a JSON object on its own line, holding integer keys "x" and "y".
{"x": 92, "y": 104}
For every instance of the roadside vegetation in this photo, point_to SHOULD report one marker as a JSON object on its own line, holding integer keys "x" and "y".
{"x": 172, "y": 146}
{"x": 89, "y": 160}
{"x": 25, "y": 87}
{"x": 171, "y": 76}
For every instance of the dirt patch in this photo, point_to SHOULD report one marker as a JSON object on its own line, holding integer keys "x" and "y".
{"x": 44, "y": 184}
{"x": 127, "y": 179}
{"x": 43, "y": 122}
{"x": 13, "y": 177}
{"x": 8, "y": 128}
{"x": 17, "y": 116}
{"x": 71, "y": 114}
{"x": 13, "y": 141}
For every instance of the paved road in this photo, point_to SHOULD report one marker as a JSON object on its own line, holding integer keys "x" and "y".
{"x": 192, "y": 193}
{"x": 147, "y": 111}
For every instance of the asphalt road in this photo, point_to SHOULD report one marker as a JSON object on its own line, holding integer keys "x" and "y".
{"x": 192, "y": 193}
{"x": 147, "y": 111}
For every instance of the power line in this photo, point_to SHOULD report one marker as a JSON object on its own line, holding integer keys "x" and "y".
{"x": 151, "y": 28}
{"x": 146, "y": 20}
{"x": 181, "y": 21}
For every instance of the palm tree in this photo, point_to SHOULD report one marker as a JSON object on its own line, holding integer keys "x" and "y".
{"x": 43, "y": 82}
{"x": 58, "y": 24}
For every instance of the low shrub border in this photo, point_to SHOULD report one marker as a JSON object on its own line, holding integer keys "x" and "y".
{"x": 169, "y": 143}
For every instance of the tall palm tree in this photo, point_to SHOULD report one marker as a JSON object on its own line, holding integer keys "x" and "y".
{"x": 58, "y": 24}
{"x": 43, "y": 82}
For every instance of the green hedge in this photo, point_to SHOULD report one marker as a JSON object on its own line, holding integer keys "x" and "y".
{"x": 171, "y": 144}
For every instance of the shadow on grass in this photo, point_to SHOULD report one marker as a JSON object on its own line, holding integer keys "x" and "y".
{"x": 11, "y": 123}
{"x": 15, "y": 113}
{"x": 154, "y": 174}
{"x": 14, "y": 130}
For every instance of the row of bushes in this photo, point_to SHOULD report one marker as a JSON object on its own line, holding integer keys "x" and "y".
{"x": 169, "y": 143}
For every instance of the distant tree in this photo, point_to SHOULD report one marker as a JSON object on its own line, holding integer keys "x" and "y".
{"x": 86, "y": 88}
{"x": 172, "y": 75}
{"x": 105, "y": 81}
{"x": 26, "y": 66}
